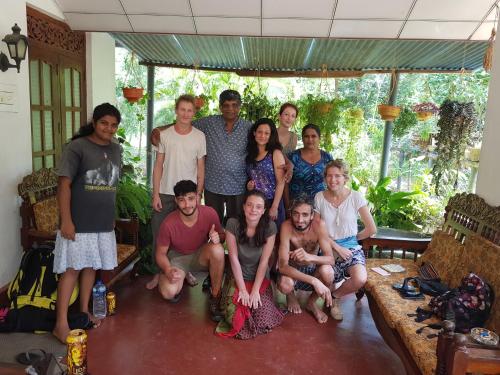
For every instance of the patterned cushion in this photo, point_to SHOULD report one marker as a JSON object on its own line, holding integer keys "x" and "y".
{"x": 376, "y": 279}
{"x": 123, "y": 251}
{"x": 443, "y": 253}
{"x": 393, "y": 306}
{"x": 46, "y": 215}
{"x": 421, "y": 348}
{"x": 483, "y": 258}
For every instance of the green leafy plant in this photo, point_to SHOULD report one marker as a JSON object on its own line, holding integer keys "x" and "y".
{"x": 456, "y": 124}
{"x": 133, "y": 198}
{"x": 406, "y": 121}
{"x": 389, "y": 208}
{"x": 256, "y": 106}
{"x": 324, "y": 112}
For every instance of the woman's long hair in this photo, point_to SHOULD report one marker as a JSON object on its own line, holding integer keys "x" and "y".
{"x": 100, "y": 111}
{"x": 260, "y": 232}
{"x": 273, "y": 144}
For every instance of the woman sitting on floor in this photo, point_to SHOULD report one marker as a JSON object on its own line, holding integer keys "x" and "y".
{"x": 248, "y": 298}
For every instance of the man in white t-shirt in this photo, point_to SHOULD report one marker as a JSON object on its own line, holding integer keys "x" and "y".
{"x": 180, "y": 156}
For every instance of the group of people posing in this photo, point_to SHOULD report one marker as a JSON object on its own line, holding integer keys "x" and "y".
{"x": 285, "y": 215}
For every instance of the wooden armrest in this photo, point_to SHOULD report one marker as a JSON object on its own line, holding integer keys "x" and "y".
{"x": 33, "y": 233}
{"x": 458, "y": 355}
{"x": 127, "y": 231}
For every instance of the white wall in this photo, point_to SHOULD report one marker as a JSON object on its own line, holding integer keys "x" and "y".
{"x": 100, "y": 70}
{"x": 15, "y": 146}
{"x": 488, "y": 180}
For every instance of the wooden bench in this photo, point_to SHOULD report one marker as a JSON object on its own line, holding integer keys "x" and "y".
{"x": 40, "y": 220}
{"x": 468, "y": 241}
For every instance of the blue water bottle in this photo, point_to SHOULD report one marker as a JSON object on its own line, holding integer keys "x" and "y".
{"x": 99, "y": 299}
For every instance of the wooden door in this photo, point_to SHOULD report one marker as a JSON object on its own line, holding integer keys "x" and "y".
{"x": 57, "y": 86}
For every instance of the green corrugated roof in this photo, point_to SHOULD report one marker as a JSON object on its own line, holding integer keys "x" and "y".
{"x": 303, "y": 54}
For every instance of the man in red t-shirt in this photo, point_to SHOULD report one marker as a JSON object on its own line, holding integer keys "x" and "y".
{"x": 189, "y": 240}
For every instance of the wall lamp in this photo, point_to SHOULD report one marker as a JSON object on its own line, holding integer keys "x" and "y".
{"x": 18, "y": 45}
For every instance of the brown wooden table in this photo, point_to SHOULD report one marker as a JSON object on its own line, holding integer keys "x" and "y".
{"x": 396, "y": 239}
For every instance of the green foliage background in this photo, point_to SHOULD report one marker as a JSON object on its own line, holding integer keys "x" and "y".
{"x": 357, "y": 140}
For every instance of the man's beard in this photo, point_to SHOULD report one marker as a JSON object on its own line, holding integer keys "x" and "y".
{"x": 191, "y": 214}
{"x": 302, "y": 229}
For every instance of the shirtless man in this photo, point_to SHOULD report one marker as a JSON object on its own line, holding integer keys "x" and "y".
{"x": 301, "y": 264}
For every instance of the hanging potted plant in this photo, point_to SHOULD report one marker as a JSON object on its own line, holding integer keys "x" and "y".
{"x": 425, "y": 110}
{"x": 388, "y": 112}
{"x": 456, "y": 125}
{"x": 133, "y": 93}
{"x": 199, "y": 102}
{"x": 325, "y": 113}
{"x": 256, "y": 106}
{"x": 357, "y": 113}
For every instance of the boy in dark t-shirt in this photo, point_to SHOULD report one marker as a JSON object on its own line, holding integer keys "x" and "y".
{"x": 189, "y": 239}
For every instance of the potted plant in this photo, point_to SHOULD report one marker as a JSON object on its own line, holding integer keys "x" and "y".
{"x": 388, "y": 112}
{"x": 199, "y": 102}
{"x": 456, "y": 125}
{"x": 425, "y": 110}
{"x": 404, "y": 123}
{"x": 325, "y": 113}
{"x": 132, "y": 92}
{"x": 356, "y": 113}
{"x": 256, "y": 106}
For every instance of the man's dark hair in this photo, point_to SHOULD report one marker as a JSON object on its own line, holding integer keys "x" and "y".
{"x": 301, "y": 199}
{"x": 184, "y": 187}
{"x": 229, "y": 95}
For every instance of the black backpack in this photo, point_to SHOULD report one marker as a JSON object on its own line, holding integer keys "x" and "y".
{"x": 35, "y": 284}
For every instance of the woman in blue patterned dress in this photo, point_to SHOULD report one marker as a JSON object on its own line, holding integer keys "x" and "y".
{"x": 265, "y": 166}
{"x": 309, "y": 163}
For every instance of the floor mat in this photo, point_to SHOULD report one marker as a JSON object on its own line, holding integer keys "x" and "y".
{"x": 12, "y": 344}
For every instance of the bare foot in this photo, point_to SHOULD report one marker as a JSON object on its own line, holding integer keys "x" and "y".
{"x": 293, "y": 304}
{"x": 320, "y": 316}
{"x": 335, "y": 310}
{"x": 61, "y": 333}
{"x": 153, "y": 283}
{"x": 191, "y": 280}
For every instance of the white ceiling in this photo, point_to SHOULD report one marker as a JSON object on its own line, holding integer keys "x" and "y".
{"x": 404, "y": 19}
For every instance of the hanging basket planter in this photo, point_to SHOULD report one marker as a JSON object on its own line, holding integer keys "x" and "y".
{"x": 323, "y": 108}
{"x": 388, "y": 112}
{"x": 356, "y": 113}
{"x": 423, "y": 115}
{"x": 425, "y": 110}
{"x": 133, "y": 94}
{"x": 199, "y": 102}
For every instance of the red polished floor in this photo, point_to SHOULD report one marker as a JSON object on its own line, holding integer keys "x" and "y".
{"x": 151, "y": 336}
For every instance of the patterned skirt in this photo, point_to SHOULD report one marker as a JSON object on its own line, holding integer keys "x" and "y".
{"x": 88, "y": 250}
{"x": 241, "y": 321}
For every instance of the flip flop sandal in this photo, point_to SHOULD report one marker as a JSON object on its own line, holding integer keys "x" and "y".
{"x": 30, "y": 357}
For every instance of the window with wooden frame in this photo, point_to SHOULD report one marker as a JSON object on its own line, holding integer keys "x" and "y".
{"x": 57, "y": 86}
